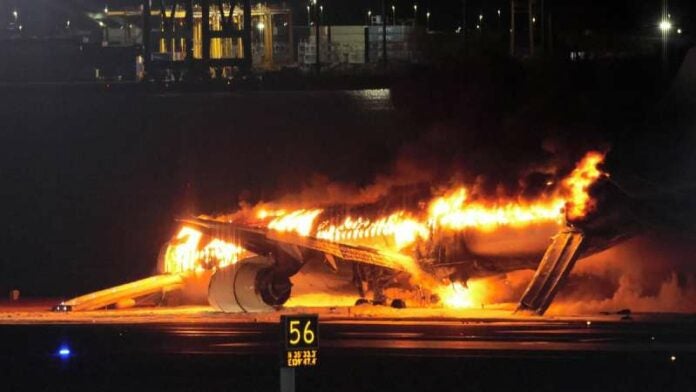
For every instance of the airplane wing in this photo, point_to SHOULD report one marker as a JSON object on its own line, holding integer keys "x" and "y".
{"x": 264, "y": 242}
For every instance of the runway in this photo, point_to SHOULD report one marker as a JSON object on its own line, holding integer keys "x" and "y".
{"x": 361, "y": 348}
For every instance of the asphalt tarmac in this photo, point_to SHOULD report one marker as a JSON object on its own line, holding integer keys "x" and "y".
{"x": 195, "y": 349}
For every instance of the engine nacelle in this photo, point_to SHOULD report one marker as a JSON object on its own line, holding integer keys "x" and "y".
{"x": 250, "y": 285}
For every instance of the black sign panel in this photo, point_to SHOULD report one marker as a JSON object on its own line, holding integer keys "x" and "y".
{"x": 300, "y": 339}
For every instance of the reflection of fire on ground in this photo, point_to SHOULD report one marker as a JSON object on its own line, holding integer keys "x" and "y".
{"x": 515, "y": 228}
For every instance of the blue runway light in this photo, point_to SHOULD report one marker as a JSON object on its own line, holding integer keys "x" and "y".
{"x": 64, "y": 352}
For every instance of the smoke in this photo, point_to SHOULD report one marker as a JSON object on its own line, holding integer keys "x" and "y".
{"x": 440, "y": 159}
{"x": 654, "y": 273}
{"x": 320, "y": 191}
{"x": 503, "y": 289}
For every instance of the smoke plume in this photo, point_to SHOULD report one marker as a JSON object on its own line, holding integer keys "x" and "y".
{"x": 651, "y": 273}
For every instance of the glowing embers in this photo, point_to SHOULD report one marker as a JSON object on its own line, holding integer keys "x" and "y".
{"x": 184, "y": 253}
{"x": 579, "y": 202}
{"x": 299, "y": 222}
{"x": 400, "y": 227}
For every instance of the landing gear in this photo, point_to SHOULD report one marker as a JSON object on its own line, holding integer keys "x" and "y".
{"x": 398, "y": 303}
{"x": 376, "y": 279}
{"x": 381, "y": 301}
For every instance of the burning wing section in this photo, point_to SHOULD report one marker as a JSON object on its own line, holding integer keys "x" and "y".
{"x": 262, "y": 282}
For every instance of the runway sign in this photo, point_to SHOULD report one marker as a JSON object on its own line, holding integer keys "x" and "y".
{"x": 301, "y": 340}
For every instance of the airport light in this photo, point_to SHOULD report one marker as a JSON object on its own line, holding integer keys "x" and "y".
{"x": 665, "y": 26}
{"x": 64, "y": 352}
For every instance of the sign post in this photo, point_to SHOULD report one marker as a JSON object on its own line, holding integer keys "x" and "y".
{"x": 300, "y": 334}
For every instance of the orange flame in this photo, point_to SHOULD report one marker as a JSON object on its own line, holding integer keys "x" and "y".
{"x": 183, "y": 254}
{"x": 452, "y": 212}
{"x": 455, "y": 295}
{"x": 300, "y": 222}
{"x": 401, "y": 228}
{"x": 579, "y": 202}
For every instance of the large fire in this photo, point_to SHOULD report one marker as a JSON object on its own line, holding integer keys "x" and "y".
{"x": 185, "y": 253}
{"x": 399, "y": 226}
{"x": 454, "y": 213}
{"x": 454, "y": 210}
{"x": 579, "y": 203}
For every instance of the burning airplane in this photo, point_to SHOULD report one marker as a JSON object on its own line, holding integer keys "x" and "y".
{"x": 433, "y": 245}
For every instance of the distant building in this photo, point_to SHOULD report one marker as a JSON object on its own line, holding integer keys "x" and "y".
{"x": 363, "y": 45}
{"x": 271, "y": 34}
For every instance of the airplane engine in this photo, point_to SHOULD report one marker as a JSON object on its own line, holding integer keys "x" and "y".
{"x": 250, "y": 285}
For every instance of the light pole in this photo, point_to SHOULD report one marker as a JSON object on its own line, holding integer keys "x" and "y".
{"x": 394, "y": 15}
{"x": 317, "y": 35}
{"x": 384, "y": 33}
{"x": 665, "y": 27}
{"x": 369, "y": 17}
{"x": 427, "y": 21}
{"x": 415, "y": 14}
{"x": 105, "y": 33}
{"x": 15, "y": 14}
{"x": 309, "y": 16}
